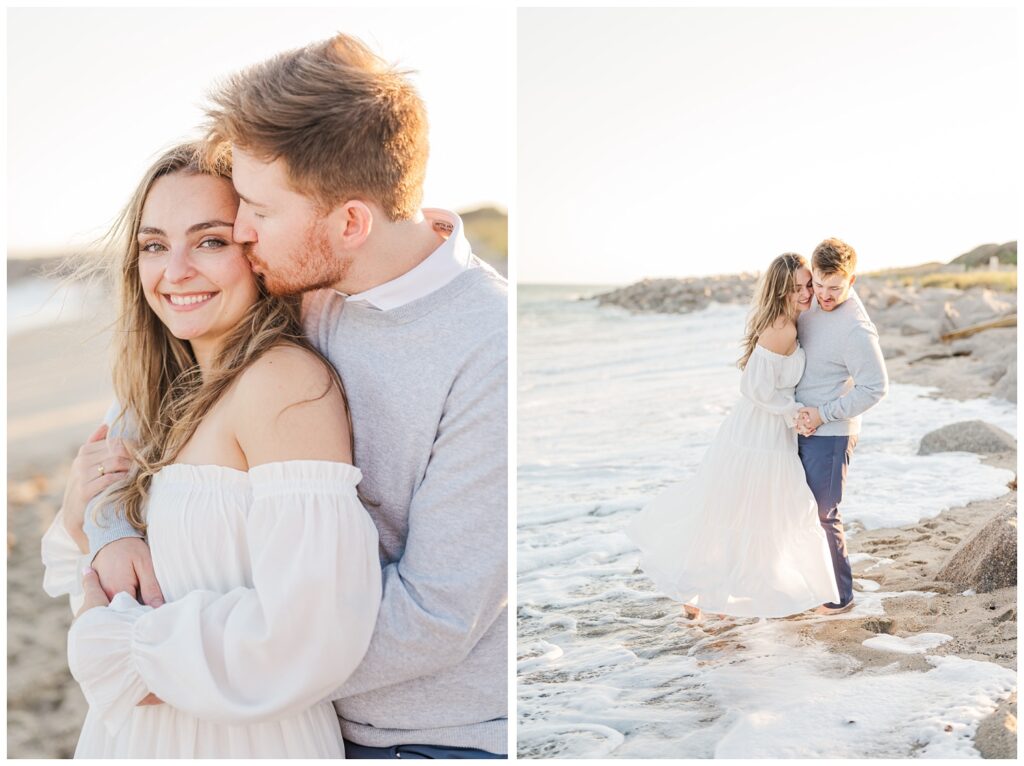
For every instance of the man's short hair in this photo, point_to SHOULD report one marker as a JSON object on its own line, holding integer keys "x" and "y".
{"x": 833, "y": 256}
{"x": 347, "y": 124}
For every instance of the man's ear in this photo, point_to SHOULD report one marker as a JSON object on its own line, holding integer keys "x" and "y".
{"x": 853, "y": 279}
{"x": 354, "y": 222}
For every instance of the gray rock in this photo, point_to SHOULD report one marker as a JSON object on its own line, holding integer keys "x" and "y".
{"x": 974, "y": 307}
{"x": 967, "y": 436}
{"x": 920, "y": 326}
{"x": 988, "y": 559}
{"x": 1006, "y": 388}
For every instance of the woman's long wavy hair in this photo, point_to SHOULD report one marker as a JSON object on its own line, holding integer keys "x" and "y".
{"x": 772, "y": 300}
{"x": 160, "y": 388}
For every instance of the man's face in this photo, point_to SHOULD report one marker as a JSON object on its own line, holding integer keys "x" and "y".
{"x": 832, "y": 289}
{"x": 287, "y": 239}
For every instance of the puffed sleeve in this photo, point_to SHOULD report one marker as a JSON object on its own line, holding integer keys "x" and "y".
{"x": 759, "y": 384}
{"x": 63, "y": 563}
{"x": 252, "y": 654}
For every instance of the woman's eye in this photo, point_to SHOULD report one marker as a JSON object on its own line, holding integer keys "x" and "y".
{"x": 258, "y": 215}
{"x": 212, "y": 243}
{"x": 151, "y": 247}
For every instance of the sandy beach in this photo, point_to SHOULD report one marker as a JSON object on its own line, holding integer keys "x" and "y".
{"x": 58, "y": 391}
{"x": 906, "y": 586}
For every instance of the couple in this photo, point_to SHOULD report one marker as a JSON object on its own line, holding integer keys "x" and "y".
{"x": 757, "y": 531}
{"x": 322, "y": 565}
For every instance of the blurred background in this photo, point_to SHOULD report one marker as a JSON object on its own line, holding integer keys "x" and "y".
{"x": 93, "y": 96}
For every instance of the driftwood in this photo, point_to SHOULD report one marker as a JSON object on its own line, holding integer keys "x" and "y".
{"x": 966, "y": 332}
{"x": 961, "y": 352}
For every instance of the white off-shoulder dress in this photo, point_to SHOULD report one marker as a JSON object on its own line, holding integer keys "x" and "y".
{"x": 742, "y": 536}
{"x": 272, "y": 583}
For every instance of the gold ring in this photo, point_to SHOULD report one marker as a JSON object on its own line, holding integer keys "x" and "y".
{"x": 101, "y": 470}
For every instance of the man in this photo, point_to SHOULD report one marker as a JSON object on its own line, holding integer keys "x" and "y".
{"x": 329, "y": 146}
{"x": 844, "y": 377}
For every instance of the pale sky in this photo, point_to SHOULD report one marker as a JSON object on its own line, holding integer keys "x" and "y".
{"x": 94, "y": 95}
{"x": 693, "y": 141}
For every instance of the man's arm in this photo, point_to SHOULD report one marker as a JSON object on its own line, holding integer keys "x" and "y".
{"x": 451, "y": 582}
{"x": 864, "y": 360}
{"x": 112, "y": 525}
{"x": 118, "y": 551}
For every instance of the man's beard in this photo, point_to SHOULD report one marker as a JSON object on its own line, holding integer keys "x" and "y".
{"x": 312, "y": 267}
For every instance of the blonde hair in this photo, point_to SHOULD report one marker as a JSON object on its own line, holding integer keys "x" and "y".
{"x": 345, "y": 123}
{"x": 771, "y": 300}
{"x": 833, "y": 256}
{"x": 156, "y": 377}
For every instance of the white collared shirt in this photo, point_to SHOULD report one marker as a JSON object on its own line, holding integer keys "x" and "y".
{"x": 450, "y": 259}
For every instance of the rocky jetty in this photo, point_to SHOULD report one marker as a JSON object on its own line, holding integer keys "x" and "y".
{"x": 929, "y": 335}
{"x": 681, "y": 296}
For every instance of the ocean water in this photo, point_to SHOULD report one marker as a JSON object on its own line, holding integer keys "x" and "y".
{"x": 35, "y": 302}
{"x": 612, "y": 407}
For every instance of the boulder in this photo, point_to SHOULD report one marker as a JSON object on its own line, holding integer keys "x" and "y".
{"x": 988, "y": 559}
{"x": 967, "y": 436}
{"x": 1006, "y": 387}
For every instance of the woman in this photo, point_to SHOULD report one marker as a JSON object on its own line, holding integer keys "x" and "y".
{"x": 242, "y": 478}
{"x": 742, "y": 536}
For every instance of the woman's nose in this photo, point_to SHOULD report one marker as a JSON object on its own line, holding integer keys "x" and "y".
{"x": 179, "y": 265}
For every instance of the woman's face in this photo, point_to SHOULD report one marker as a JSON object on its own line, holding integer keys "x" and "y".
{"x": 800, "y": 299}
{"x": 194, "y": 276}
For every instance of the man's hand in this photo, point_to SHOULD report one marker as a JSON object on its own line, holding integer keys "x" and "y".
{"x": 126, "y": 565}
{"x": 808, "y": 421}
{"x": 94, "y": 597}
{"x": 811, "y": 417}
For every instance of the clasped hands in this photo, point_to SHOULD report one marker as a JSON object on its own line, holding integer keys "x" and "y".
{"x": 807, "y": 421}
{"x": 138, "y": 563}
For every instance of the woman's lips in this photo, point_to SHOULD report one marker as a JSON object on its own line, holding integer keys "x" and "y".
{"x": 188, "y": 301}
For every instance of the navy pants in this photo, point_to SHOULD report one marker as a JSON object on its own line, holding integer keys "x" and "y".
{"x": 825, "y": 460}
{"x": 353, "y": 750}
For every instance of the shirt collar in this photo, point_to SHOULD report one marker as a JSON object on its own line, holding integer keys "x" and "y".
{"x": 450, "y": 259}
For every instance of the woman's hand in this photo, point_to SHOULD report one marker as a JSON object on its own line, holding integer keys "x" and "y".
{"x": 100, "y": 462}
{"x": 94, "y": 597}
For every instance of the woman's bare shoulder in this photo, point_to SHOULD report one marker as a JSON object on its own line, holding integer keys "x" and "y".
{"x": 286, "y": 369}
{"x": 288, "y": 406}
{"x": 779, "y": 338}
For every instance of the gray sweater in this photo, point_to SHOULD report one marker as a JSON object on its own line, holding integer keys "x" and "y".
{"x": 845, "y": 373}
{"x": 427, "y": 385}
